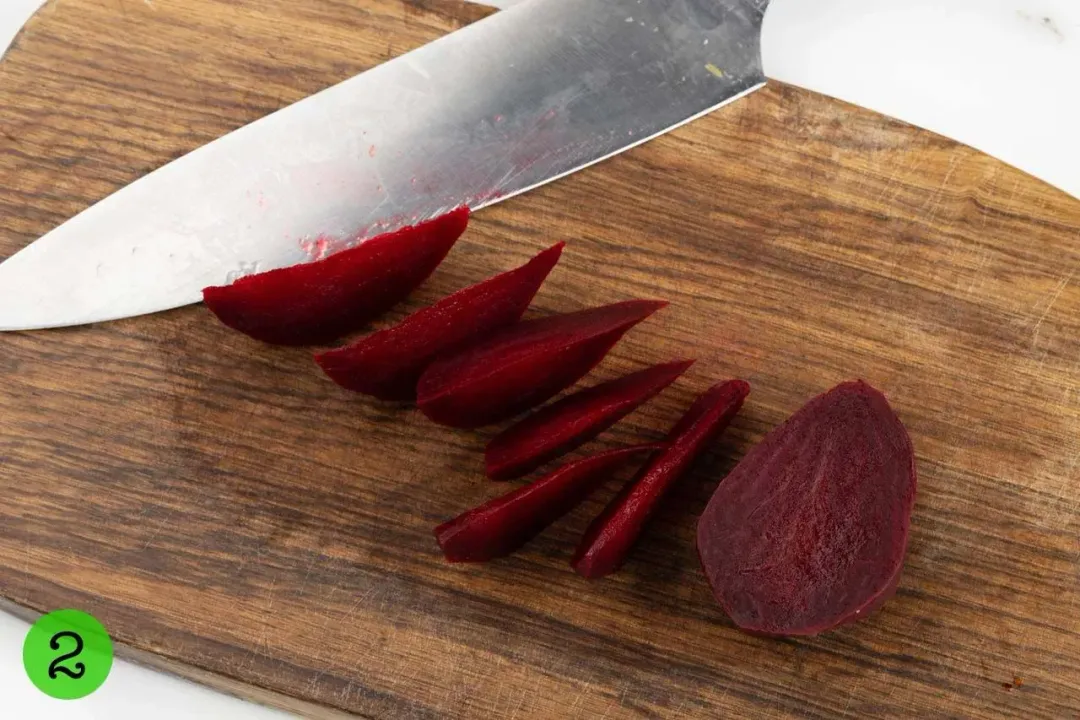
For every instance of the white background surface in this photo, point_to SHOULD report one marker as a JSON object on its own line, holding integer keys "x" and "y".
{"x": 131, "y": 692}
{"x": 1000, "y": 75}
{"x": 13, "y": 14}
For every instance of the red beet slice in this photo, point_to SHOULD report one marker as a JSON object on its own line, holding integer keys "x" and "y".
{"x": 318, "y": 302}
{"x": 809, "y": 531}
{"x": 613, "y": 533}
{"x": 524, "y": 365}
{"x": 389, "y": 363}
{"x": 499, "y": 527}
{"x": 569, "y": 423}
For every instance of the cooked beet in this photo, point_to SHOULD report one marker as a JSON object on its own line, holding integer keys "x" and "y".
{"x": 610, "y": 537}
{"x": 524, "y": 365}
{"x": 500, "y": 526}
{"x": 318, "y": 302}
{"x": 567, "y": 424}
{"x": 389, "y": 363}
{"x": 809, "y": 531}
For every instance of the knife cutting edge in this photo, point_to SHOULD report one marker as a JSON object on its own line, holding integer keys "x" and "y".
{"x": 514, "y": 101}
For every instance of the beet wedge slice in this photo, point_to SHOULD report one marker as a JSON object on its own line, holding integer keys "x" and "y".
{"x": 389, "y": 363}
{"x": 810, "y": 530}
{"x": 503, "y": 525}
{"x": 571, "y": 422}
{"x": 524, "y": 365}
{"x": 316, "y": 303}
{"x": 609, "y": 538}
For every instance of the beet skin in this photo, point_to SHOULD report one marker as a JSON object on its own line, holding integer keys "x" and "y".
{"x": 810, "y": 530}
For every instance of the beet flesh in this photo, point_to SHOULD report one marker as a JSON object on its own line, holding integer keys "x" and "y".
{"x": 317, "y": 302}
{"x": 607, "y": 542}
{"x": 389, "y": 363}
{"x": 501, "y": 526}
{"x": 524, "y": 365}
{"x": 565, "y": 425}
{"x": 810, "y": 530}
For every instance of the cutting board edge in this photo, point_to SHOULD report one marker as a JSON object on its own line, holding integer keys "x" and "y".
{"x": 215, "y": 681}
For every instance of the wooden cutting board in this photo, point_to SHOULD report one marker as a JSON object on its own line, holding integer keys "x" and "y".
{"x": 229, "y": 513}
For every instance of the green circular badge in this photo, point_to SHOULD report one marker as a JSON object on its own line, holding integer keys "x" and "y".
{"x": 67, "y": 654}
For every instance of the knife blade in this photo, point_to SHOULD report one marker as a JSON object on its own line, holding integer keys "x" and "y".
{"x": 514, "y": 101}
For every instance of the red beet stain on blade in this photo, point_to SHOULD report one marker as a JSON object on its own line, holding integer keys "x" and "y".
{"x": 810, "y": 530}
{"x": 501, "y": 526}
{"x": 389, "y": 363}
{"x": 569, "y": 423}
{"x": 318, "y": 302}
{"x": 609, "y": 538}
{"x": 524, "y": 365}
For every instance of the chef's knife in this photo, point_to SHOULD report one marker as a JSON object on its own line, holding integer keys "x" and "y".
{"x": 513, "y": 101}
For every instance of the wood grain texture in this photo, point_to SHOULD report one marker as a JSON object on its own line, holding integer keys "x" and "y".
{"x": 222, "y": 506}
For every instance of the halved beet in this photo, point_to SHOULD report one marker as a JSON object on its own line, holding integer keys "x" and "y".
{"x": 609, "y": 539}
{"x": 389, "y": 363}
{"x": 569, "y": 423}
{"x": 318, "y": 302}
{"x": 500, "y": 526}
{"x": 810, "y": 530}
{"x": 524, "y": 365}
